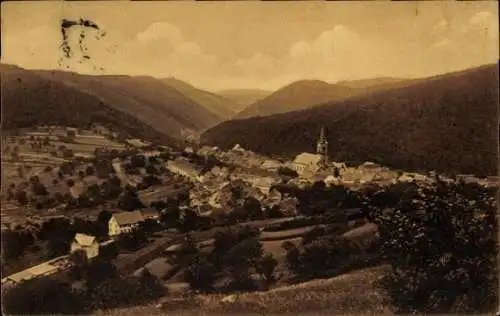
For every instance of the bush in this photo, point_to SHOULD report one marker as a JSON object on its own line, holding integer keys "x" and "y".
{"x": 441, "y": 242}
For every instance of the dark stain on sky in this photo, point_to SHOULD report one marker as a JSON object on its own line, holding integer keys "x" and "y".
{"x": 84, "y": 26}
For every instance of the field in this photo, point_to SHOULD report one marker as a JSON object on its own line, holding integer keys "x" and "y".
{"x": 39, "y": 153}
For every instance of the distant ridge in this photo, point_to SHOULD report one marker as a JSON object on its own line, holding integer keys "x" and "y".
{"x": 304, "y": 94}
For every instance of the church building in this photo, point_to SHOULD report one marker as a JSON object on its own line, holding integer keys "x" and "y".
{"x": 311, "y": 163}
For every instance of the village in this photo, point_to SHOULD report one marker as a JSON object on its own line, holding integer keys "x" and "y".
{"x": 125, "y": 185}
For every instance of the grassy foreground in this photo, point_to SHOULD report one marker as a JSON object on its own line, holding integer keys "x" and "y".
{"x": 350, "y": 294}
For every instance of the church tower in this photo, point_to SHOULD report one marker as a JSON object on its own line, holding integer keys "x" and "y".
{"x": 322, "y": 147}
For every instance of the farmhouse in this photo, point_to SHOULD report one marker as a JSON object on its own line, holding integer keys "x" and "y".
{"x": 86, "y": 243}
{"x": 124, "y": 222}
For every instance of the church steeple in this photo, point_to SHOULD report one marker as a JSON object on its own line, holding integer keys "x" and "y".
{"x": 322, "y": 147}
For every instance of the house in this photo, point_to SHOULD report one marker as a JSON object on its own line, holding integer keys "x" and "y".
{"x": 338, "y": 165}
{"x": 184, "y": 168}
{"x": 87, "y": 243}
{"x": 124, "y": 222}
{"x": 307, "y": 163}
{"x": 263, "y": 184}
{"x": 237, "y": 147}
{"x": 151, "y": 153}
{"x": 150, "y": 213}
{"x": 331, "y": 180}
{"x": 77, "y": 189}
{"x": 467, "y": 178}
{"x": 39, "y": 271}
{"x": 137, "y": 143}
{"x": 272, "y": 165}
{"x": 274, "y": 197}
{"x": 206, "y": 151}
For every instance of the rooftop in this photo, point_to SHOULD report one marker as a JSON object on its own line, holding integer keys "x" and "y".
{"x": 307, "y": 158}
{"x": 128, "y": 218}
{"x": 84, "y": 240}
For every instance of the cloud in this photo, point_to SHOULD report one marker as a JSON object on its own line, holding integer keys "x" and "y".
{"x": 161, "y": 31}
{"x": 440, "y": 28}
{"x": 445, "y": 43}
{"x": 485, "y": 23}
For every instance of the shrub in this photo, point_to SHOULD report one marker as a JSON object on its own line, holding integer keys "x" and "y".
{"x": 441, "y": 242}
{"x": 266, "y": 268}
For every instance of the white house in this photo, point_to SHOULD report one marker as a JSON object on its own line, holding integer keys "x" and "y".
{"x": 87, "y": 243}
{"x": 124, "y": 222}
{"x": 264, "y": 184}
{"x": 307, "y": 162}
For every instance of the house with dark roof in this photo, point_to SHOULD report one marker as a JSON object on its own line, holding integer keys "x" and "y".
{"x": 124, "y": 222}
{"x": 88, "y": 244}
{"x": 150, "y": 213}
{"x": 184, "y": 168}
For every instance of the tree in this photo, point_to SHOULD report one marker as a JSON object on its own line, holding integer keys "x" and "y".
{"x": 89, "y": 171}
{"x": 79, "y": 263}
{"x": 22, "y": 197}
{"x": 252, "y": 209}
{"x": 455, "y": 226}
{"x": 151, "y": 287}
{"x": 129, "y": 200}
{"x": 336, "y": 172}
{"x": 287, "y": 172}
{"x": 39, "y": 189}
{"x": 20, "y": 172}
{"x": 81, "y": 175}
{"x": 200, "y": 274}
{"x": 138, "y": 161}
{"x": 266, "y": 268}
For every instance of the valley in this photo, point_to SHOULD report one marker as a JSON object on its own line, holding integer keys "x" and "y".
{"x": 135, "y": 194}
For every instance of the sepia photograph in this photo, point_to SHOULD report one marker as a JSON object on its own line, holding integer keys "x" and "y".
{"x": 249, "y": 158}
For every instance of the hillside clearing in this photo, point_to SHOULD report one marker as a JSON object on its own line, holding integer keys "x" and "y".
{"x": 354, "y": 293}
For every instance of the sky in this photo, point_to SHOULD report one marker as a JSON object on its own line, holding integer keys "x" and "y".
{"x": 255, "y": 45}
